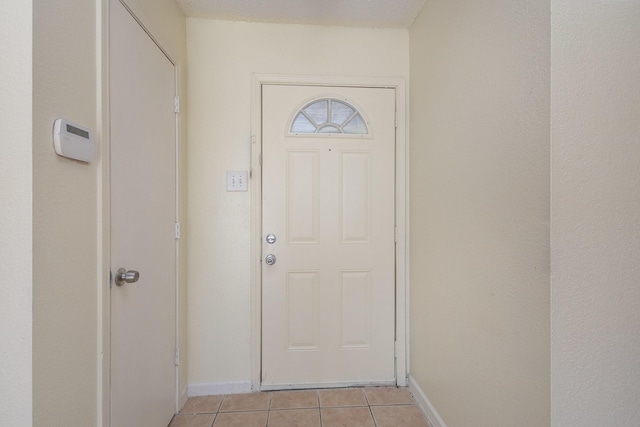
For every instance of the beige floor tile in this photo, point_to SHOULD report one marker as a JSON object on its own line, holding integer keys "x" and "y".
{"x": 294, "y": 418}
{"x": 342, "y": 397}
{"x": 347, "y": 417}
{"x": 202, "y": 405}
{"x": 388, "y": 396}
{"x": 192, "y": 420}
{"x": 242, "y": 419}
{"x": 294, "y": 399}
{"x": 399, "y": 415}
{"x": 246, "y": 402}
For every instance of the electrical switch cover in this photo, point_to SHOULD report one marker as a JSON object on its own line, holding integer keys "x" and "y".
{"x": 237, "y": 181}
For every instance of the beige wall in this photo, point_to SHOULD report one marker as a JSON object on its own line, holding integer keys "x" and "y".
{"x": 480, "y": 211}
{"x": 595, "y": 240}
{"x": 15, "y": 213}
{"x": 65, "y": 227}
{"x": 222, "y": 56}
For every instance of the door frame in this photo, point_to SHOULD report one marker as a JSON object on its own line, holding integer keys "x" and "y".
{"x": 103, "y": 19}
{"x": 401, "y": 210}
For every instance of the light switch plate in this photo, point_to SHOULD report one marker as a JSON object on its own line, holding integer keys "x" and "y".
{"x": 237, "y": 181}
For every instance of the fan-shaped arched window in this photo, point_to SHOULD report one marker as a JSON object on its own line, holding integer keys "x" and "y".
{"x": 329, "y": 116}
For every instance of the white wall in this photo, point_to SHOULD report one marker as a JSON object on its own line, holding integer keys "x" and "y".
{"x": 222, "y": 56}
{"x": 480, "y": 211}
{"x": 15, "y": 213}
{"x": 595, "y": 240}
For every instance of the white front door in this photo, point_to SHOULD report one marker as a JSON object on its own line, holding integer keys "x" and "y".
{"x": 328, "y": 188}
{"x": 143, "y": 207}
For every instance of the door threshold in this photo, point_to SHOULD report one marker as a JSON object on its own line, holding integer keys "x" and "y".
{"x": 340, "y": 384}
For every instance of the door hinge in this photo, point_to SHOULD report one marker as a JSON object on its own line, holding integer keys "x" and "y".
{"x": 177, "y": 230}
{"x": 176, "y": 104}
{"x": 177, "y": 360}
{"x": 395, "y": 234}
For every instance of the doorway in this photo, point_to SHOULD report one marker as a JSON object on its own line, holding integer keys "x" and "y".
{"x": 327, "y": 236}
{"x": 142, "y": 225}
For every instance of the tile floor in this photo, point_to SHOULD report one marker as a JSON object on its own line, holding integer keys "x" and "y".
{"x": 348, "y": 407}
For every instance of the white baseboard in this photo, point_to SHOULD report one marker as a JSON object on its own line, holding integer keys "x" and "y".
{"x": 225, "y": 387}
{"x": 423, "y": 402}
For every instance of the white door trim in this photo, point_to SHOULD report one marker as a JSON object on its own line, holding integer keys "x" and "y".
{"x": 402, "y": 210}
{"x": 104, "y": 222}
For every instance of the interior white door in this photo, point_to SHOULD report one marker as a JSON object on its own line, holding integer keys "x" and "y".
{"x": 143, "y": 207}
{"x": 328, "y": 311}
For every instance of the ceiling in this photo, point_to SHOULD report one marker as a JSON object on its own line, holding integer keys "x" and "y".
{"x": 352, "y": 13}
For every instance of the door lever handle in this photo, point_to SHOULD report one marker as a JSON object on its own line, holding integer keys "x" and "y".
{"x": 123, "y": 276}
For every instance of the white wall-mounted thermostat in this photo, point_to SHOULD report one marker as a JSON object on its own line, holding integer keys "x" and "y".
{"x": 73, "y": 141}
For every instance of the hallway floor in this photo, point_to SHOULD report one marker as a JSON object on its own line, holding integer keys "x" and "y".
{"x": 349, "y": 407}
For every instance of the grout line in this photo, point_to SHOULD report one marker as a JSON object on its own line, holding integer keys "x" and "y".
{"x": 366, "y": 398}
{"x": 373, "y": 417}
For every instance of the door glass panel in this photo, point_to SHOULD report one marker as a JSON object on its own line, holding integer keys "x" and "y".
{"x": 355, "y": 126}
{"x": 329, "y": 116}
{"x": 302, "y": 125}
{"x": 340, "y": 112}
{"x": 317, "y": 111}
{"x": 329, "y": 129}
